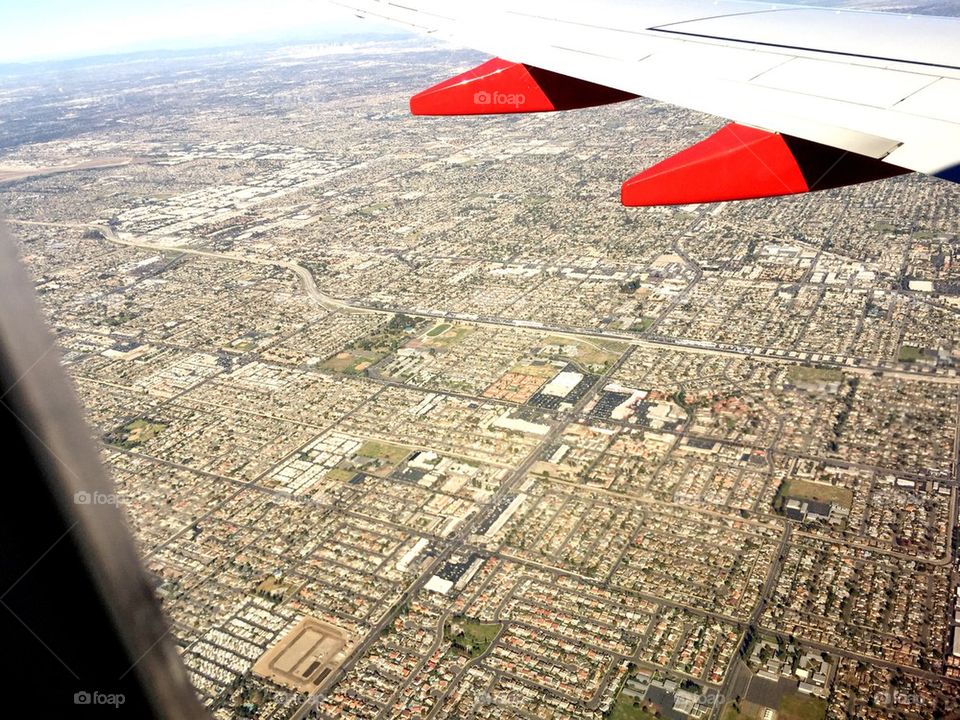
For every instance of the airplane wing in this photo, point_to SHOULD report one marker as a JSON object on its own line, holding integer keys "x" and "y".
{"x": 819, "y": 98}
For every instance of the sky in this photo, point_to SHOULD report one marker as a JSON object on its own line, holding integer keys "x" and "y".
{"x": 54, "y": 29}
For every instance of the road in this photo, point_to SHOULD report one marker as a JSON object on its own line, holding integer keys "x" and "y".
{"x": 459, "y": 543}
{"x": 309, "y": 286}
{"x": 304, "y": 276}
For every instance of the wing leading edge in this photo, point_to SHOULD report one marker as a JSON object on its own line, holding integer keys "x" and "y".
{"x": 819, "y": 98}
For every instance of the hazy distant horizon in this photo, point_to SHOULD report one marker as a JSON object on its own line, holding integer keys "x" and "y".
{"x": 52, "y": 30}
{"x": 58, "y": 30}
{"x": 381, "y": 34}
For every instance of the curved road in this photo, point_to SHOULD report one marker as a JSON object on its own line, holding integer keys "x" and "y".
{"x": 304, "y": 276}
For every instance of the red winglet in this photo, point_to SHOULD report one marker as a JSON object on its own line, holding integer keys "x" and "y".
{"x": 499, "y": 86}
{"x": 741, "y": 163}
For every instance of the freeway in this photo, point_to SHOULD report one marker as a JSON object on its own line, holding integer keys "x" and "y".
{"x": 304, "y": 276}
{"x": 460, "y": 542}
{"x": 329, "y": 302}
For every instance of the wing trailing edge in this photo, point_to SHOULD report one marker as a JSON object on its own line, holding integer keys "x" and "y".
{"x": 736, "y": 163}
{"x": 877, "y": 85}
